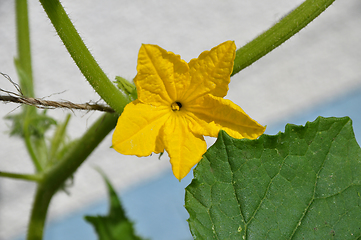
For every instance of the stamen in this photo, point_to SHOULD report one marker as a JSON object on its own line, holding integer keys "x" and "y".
{"x": 176, "y": 106}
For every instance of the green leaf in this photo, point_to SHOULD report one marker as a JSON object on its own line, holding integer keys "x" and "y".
{"x": 32, "y": 127}
{"x": 116, "y": 225}
{"x": 301, "y": 184}
{"x": 37, "y": 124}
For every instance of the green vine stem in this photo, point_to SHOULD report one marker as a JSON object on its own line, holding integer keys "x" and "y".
{"x": 82, "y": 57}
{"x": 279, "y": 33}
{"x": 27, "y": 177}
{"x": 24, "y": 69}
{"x": 23, "y": 61}
{"x": 56, "y": 176}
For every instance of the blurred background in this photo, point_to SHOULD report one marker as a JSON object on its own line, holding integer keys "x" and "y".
{"x": 316, "y": 72}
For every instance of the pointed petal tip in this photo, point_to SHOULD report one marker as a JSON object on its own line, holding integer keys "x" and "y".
{"x": 180, "y": 174}
{"x": 229, "y": 44}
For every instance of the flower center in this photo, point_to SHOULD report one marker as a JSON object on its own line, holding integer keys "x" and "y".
{"x": 176, "y": 106}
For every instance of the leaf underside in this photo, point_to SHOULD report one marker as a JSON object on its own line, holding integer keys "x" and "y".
{"x": 114, "y": 226}
{"x": 301, "y": 184}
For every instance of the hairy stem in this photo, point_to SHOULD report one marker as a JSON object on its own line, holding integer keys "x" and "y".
{"x": 82, "y": 56}
{"x": 279, "y": 33}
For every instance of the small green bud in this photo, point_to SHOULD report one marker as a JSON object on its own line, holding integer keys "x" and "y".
{"x": 127, "y": 87}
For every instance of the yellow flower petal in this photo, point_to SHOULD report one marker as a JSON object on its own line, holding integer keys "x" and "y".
{"x": 185, "y": 149}
{"x": 210, "y": 72}
{"x": 162, "y": 76}
{"x": 137, "y": 130}
{"x": 179, "y": 103}
{"x": 223, "y": 114}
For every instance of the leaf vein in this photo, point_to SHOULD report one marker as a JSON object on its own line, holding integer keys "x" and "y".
{"x": 317, "y": 177}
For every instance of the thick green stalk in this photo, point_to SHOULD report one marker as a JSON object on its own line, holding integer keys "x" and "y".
{"x": 55, "y": 177}
{"x": 82, "y": 57}
{"x": 279, "y": 33}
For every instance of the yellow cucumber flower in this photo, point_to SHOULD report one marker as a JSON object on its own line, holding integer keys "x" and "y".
{"x": 178, "y": 103}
